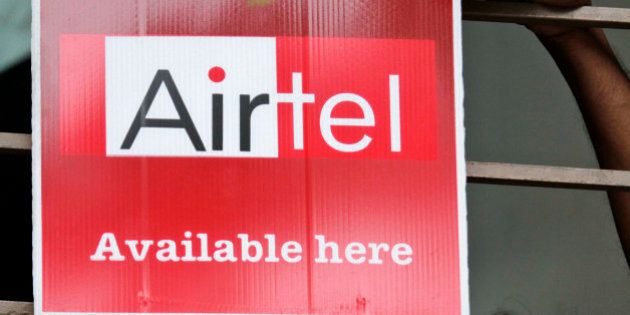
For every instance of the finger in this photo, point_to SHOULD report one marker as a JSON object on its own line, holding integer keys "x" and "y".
{"x": 551, "y": 31}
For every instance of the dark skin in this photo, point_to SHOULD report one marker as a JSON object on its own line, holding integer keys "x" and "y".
{"x": 602, "y": 90}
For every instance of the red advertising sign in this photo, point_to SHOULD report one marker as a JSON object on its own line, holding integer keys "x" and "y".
{"x": 248, "y": 157}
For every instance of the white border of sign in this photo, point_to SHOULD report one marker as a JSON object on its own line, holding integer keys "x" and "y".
{"x": 36, "y": 154}
{"x": 36, "y": 161}
{"x": 461, "y": 157}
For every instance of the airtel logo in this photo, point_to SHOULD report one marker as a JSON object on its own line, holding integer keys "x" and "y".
{"x": 248, "y": 104}
{"x": 220, "y": 96}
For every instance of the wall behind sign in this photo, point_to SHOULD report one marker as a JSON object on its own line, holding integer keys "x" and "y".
{"x": 535, "y": 250}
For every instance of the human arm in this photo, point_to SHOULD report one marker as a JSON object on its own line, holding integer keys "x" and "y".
{"x": 602, "y": 90}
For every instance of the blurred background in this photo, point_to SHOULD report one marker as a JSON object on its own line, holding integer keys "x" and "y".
{"x": 532, "y": 250}
{"x": 15, "y": 168}
{"x": 535, "y": 250}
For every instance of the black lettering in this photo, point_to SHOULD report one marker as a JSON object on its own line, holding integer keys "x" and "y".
{"x": 217, "y": 122}
{"x": 184, "y": 121}
{"x": 247, "y": 107}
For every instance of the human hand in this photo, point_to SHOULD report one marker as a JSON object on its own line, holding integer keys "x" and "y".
{"x": 546, "y": 30}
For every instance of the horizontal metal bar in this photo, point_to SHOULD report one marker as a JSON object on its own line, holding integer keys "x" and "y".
{"x": 485, "y": 172}
{"x": 530, "y": 13}
{"x": 15, "y": 142}
{"x": 550, "y": 176}
{"x": 16, "y": 308}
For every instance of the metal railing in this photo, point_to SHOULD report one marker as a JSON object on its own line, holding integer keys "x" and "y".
{"x": 526, "y": 13}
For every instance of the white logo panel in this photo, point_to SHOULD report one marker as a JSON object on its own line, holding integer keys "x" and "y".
{"x": 160, "y": 70}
